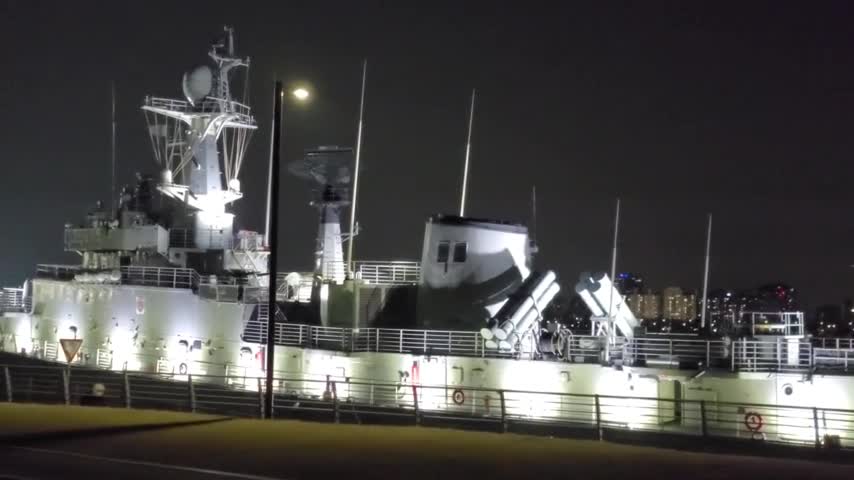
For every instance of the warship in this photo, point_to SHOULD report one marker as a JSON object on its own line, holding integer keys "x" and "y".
{"x": 165, "y": 285}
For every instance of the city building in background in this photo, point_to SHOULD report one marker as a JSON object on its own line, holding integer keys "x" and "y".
{"x": 828, "y": 320}
{"x": 675, "y": 309}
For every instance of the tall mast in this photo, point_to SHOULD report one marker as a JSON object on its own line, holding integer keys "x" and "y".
{"x": 468, "y": 155}
{"x": 356, "y": 174}
{"x": 113, "y": 198}
{"x": 534, "y": 211}
{"x": 613, "y": 274}
{"x": 706, "y": 273}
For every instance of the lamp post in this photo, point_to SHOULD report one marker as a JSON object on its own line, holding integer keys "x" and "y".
{"x": 272, "y": 235}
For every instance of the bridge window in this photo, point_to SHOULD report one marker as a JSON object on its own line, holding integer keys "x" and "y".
{"x": 460, "y": 252}
{"x": 443, "y": 252}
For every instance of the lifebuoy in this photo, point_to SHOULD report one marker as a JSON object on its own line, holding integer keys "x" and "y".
{"x": 459, "y": 397}
{"x": 182, "y": 369}
{"x": 753, "y": 421}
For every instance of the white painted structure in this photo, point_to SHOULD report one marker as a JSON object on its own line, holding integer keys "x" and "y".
{"x": 469, "y": 267}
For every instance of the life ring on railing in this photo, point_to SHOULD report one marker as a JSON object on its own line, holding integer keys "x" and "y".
{"x": 182, "y": 369}
{"x": 753, "y": 421}
{"x": 458, "y": 397}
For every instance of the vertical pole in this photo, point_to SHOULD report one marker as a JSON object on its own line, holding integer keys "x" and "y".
{"x": 598, "y": 418}
{"x": 503, "y": 411}
{"x": 732, "y": 354}
{"x": 191, "y": 391}
{"x": 349, "y": 271}
{"x": 815, "y": 426}
{"x": 273, "y": 234}
{"x": 8, "y": 377}
{"x": 415, "y": 403}
{"x": 613, "y": 279}
{"x": 113, "y": 154}
{"x": 270, "y": 174}
{"x": 706, "y": 274}
{"x": 708, "y": 353}
{"x": 66, "y": 385}
{"x": 704, "y": 429}
{"x": 336, "y": 414}
{"x": 534, "y": 212}
{"x": 126, "y": 392}
{"x": 468, "y": 156}
{"x": 260, "y": 398}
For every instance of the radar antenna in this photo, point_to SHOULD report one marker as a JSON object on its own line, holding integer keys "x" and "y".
{"x": 329, "y": 169}
{"x": 186, "y": 135}
{"x": 202, "y": 140}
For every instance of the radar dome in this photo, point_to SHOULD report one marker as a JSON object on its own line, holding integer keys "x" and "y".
{"x": 197, "y": 83}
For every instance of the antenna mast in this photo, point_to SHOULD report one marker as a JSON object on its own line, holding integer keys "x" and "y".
{"x": 356, "y": 173}
{"x": 468, "y": 155}
{"x": 613, "y": 274}
{"x": 706, "y": 273}
{"x": 534, "y": 211}
{"x": 113, "y": 153}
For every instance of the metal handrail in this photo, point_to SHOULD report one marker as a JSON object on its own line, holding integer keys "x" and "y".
{"x": 388, "y": 273}
{"x": 211, "y": 105}
{"x": 161, "y": 277}
{"x": 12, "y": 300}
{"x": 239, "y": 394}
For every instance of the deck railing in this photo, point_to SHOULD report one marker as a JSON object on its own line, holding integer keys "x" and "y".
{"x": 388, "y": 273}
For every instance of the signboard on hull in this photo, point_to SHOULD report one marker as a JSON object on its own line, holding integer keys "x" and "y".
{"x": 70, "y": 346}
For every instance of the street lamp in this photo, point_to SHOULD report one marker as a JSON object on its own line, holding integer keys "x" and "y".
{"x": 300, "y": 94}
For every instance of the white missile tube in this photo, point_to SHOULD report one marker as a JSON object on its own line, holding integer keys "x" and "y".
{"x": 501, "y": 332}
{"x": 534, "y": 314}
{"x": 595, "y": 308}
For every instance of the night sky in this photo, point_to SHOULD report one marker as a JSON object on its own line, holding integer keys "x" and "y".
{"x": 741, "y": 109}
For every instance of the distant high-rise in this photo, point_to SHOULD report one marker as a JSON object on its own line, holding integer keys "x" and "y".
{"x": 673, "y": 304}
{"x": 828, "y": 320}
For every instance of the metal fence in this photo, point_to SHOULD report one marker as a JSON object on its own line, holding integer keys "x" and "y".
{"x": 388, "y": 273}
{"x": 208, "y": 105}
{"x": 431, "y": 342}
{"x": 160, "y": 277}
{"x": 13, "y": 300}
{"x": 344, "y": 400}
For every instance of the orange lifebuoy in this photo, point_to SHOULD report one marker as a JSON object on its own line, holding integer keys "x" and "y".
{"x": 459, "y": 397}
{"x": 753, "y": 421}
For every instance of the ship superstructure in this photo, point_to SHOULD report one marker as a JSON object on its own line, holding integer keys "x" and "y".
{"x": 172, "y": 289}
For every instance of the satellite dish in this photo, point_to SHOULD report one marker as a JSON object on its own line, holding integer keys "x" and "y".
{"x": 197, "y": 83}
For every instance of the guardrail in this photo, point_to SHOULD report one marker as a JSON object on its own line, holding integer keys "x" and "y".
{"x": 672, "y": 351}
{"x": 777, "y": 355}
{"x": 13, "y": 300}
{"x": 429, "y": 342}
{"x": 208, "y": 105}
{"x": 347, "y": 400}
{"x": 388, "y": 273}
{"x": 160, "y": 277}
{"x": 186, "y": 238}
